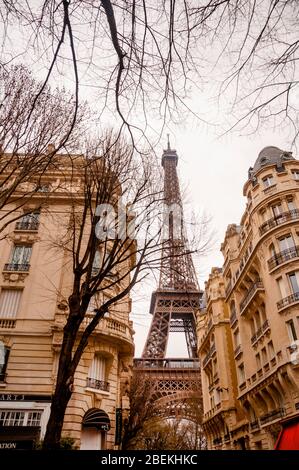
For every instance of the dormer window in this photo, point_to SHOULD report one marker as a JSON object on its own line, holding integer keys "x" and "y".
{"x": 268, "y": 181}
{"x": 295, "y": 174}
{"x": 264, "y": 161}
{"x": 286, "y": 156}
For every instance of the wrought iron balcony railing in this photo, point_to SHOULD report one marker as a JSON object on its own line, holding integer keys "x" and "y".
{"x": 16, "y": 267}
{"x": 259, "y": 333}
{"x": 288, "y": 300}
{"x": 283, "y": 256}
{"x": 238, "y": 350}
{"x": 27, "y": 225}
{"x": 233, "y": 318}
{"x": 278, "y": 220}
{"x": 256, "y": 286}
{"x": 210, "y": 353}
{"x": 254, "y": 424}
{"x": 272, "y": 415}
{"x": 97, "y": 384}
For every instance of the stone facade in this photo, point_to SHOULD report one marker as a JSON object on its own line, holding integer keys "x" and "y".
{"x": 248, "y": 333}
{"x": 33, "y": 287}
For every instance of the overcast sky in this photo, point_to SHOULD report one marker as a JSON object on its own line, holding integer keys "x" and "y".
{"x": 213, "y": 170}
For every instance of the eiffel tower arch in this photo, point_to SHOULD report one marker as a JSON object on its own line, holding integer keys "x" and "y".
{"x": 176, "y": 382}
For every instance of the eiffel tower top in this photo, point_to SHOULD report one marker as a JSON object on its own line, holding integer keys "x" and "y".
{"x": 169, "y": 154}
{"x": 177, "y": 270}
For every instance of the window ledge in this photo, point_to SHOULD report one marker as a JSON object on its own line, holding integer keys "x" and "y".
{"x": 3, "y": 384}
{"x": 97, "y": 391}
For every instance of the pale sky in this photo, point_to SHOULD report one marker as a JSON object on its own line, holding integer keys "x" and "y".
{"x": 212, "y": 169}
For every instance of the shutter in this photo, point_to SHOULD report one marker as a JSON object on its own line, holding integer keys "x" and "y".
{"x": 9, "y": 303}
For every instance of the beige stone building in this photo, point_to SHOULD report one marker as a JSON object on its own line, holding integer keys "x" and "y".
{"x": 35, "y": 277}
{"x": 249, "y": 331}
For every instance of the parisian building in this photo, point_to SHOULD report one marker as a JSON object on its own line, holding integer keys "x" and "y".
{"x": 249, "y": 329}
{"x": 35, "y": 276}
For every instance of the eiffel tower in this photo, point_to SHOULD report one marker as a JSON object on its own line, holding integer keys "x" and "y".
{"x": 176, "y": 382}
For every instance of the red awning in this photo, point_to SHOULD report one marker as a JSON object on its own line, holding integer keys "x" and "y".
{"x": 288, "y": 438}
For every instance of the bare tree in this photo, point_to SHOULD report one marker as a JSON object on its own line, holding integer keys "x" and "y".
{"x": 142, "y": 59}
{"x": 142, "y": 411}
{"x": 31, "y": 131}
{"x": 147, "y": 427}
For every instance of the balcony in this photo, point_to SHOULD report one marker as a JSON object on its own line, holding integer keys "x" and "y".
{"x": 217, "y": 441}
{"x": 283, "y": 256}
{"x": 27, "y": 225}
{"x": 238, "y": 351}
{"x": 110, "y": 327}
{"x": 278, "y": 220}
{"x": 291, "y": 299}
{"x": 209, "y": 355}
{"x": 233, "y": 319}
{"x": 16, "y": 267}
{"x": 273, "y": 415}
{"x": 254, "y": 288}
{"x": 254, "y": 425}
{"x": 7, "y": 323}
{"x": 97, "y": 384}
{"x": 228, "y": 288}
{"x": 260, "y": 332}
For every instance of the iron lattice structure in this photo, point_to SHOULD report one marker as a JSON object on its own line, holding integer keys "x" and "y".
{"x": 175, "y": 382}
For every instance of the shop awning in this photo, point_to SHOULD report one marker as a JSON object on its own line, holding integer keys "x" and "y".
{"x": 96, "y": 418}
{"x": 288, "y": 438}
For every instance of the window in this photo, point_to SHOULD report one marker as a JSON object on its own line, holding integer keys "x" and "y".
{"x": 43, "y": 188}
{"x": 291, "y": 204}
{"x": 20, "y": 418}
{"x": 9, "y": 303}
{"x": 271, "y": 351}
{"x": 264, "y": 356}
{"x": 277, "y": 209}
{"x": 294, "y": 281}
{"x": 98, "y": 367}
{"x": 295, "y": 174}
{"x": 292, "y": 330}
{"x": 217, "y": 396}
{"x": 97, "y": 263}
{"x": 236, "y": 339}
{"x": 268, "y": 181}
{"x": 4, "y": 353}
{"x": 21, "y": 255}
{"x": 286, "y": 242}
{"x": 272, "y": 250}
{"x": 97, "y": 374}
{"x": 258, "y": 361}
{"x": 12, "y": 418}
{"x": 28, "y": 221}
{"x": 241, "y": 374}
{"x": 282, "y": 287}
{"x": 257, "y": 319}
{"x": 34, "y": 418}
{"x": 264, "y": 161}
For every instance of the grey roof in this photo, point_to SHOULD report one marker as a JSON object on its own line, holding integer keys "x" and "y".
{"x": 270, "y": 156}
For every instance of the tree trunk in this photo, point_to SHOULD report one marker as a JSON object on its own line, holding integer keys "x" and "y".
{"x": 59, "y": 404}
